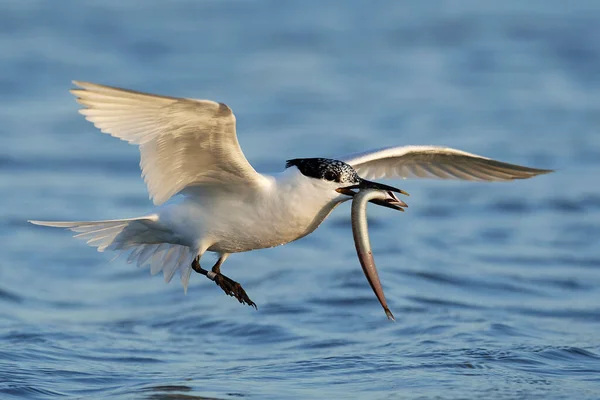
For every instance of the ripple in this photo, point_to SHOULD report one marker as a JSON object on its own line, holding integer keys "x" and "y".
{"x": 256, "y": 332}
{"x": 122, "y": 359}
{"x": 578, "y": 204}
{"x": 542, "y": 260}
{"x": 590, "y": 201}
{"x": 437, "y": 212}
{"x": 70, "y": 165}
{"x": 471, "y": 284}
{"x": 25, "y": 337}
{"x": 571, "y": 284}
{"x": 517, "y": 206}
{"x": 497, "y": 235}
{"x": 9, "y": 296}
{"x": 335, "y": 302}
{"x": 284, "y": 309}
{"x": 577, "y": 314}
{"x": 167, "y": 388}
{"x": 28, "y": 391}
{"x": 504, "y": 330}
{"x": 177, "y": 392}
{"x": 323, "y": 344}
{"x": 567, "y": 205}
{"x": 443, "y": 303}
{"x": 569, "y": 354}
{"x": 423, "y": 330}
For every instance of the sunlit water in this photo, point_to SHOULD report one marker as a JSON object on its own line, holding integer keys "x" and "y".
{"x": 495, "y": 287}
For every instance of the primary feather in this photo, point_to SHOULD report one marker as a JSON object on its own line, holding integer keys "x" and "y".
{"x": 183, "y": 142}
{"x": 435, "y": 162}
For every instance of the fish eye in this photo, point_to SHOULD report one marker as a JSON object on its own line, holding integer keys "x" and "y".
{"x": 330, "y": 176}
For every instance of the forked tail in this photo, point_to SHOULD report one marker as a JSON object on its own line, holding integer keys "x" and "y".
{"x": 141, "y": 238}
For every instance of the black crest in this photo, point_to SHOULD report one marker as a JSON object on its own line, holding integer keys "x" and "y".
{"x": 325, "y": 168}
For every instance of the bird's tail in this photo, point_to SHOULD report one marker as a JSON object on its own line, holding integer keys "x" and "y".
{"x": 141, "y": 238}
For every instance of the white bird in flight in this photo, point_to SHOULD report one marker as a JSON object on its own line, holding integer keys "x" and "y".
{"x": 209, "y": 198}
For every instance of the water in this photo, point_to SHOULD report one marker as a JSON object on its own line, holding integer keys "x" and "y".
{"x": 495, "y": 287}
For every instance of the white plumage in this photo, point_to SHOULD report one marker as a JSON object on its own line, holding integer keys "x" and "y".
{"x": 209, "y": 198}
{"x": 434, "y": 162}
{"x": 182, "y": 142}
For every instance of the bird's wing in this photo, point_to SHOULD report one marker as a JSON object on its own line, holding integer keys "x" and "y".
{"x": 434, "y": 162}
{"x": 183, "y": 142}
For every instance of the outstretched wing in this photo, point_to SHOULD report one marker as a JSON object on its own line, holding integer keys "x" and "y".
{"x": 183, "y": 142}
{"x": 434, "y": 162}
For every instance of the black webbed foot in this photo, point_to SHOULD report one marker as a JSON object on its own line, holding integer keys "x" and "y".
{"x": 229, "y": 286}
{"x": 234, "y": 289}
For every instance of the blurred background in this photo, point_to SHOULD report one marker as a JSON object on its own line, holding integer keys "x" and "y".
{"x": 495, "y": 286}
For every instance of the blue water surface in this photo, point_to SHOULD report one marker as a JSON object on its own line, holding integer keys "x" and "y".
{"x": 495, "y": 286}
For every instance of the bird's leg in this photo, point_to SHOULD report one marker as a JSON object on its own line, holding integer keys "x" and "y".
{"x": 229, "y": 286}
{"x": 196, "y": 267}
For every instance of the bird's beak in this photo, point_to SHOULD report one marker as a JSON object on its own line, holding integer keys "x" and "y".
{"x": 390, "y": 201}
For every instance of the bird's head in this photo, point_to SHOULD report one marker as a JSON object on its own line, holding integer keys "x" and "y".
{"x": 345, "y": 180}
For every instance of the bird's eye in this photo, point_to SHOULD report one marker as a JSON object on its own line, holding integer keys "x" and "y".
{"x": 330, "y": 176}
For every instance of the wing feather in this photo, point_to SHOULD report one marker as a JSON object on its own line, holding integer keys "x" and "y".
{"x": 183, "y": 143}
{"x": 435, "y": 162}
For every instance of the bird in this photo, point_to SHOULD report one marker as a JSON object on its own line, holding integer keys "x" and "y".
{"x": 207, "y": 197}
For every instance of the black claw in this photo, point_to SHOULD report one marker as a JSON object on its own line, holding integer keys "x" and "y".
{"x": 234, "y": 289}
{"x": 229, "y": 286}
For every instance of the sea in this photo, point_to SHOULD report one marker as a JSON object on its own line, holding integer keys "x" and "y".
{"x": 495, "y": 286}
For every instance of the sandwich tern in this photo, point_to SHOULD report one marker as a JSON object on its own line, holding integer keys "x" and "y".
{"x": 208, "y": 197}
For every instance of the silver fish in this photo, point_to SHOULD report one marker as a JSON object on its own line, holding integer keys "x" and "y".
{"x": 361, "y": 237}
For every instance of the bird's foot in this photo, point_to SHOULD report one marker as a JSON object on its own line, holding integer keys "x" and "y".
{"x": 234, "y": 289}
{"x": 229, "y": 286}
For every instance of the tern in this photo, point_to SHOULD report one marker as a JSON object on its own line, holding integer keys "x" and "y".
{"x": 208, "y": 198}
